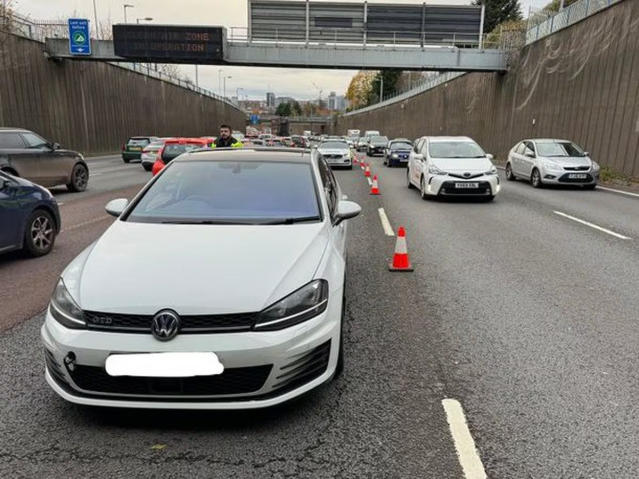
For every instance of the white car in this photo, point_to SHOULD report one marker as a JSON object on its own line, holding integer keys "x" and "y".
{"x": 246, "y": 288}
{"x": 451, "y": 166}
{"x": 549, "y": 161}
{"x": 336, "y": 153}
{"x": 150, "y": 153}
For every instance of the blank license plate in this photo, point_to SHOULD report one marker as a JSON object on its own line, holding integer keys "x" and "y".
{"x": 135, "y": 148}
{"x": 466, "y": 185}
{"x": 578, "y": 176}
{"x": 169, "y": 365}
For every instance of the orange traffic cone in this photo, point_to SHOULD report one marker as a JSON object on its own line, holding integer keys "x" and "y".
{"x": 400, "y": 262}
{"x": 374, "y": 186}
{"x": 355, "y": 160}
{"x": 367, "y": 171}
{"x": 363, "y": 164}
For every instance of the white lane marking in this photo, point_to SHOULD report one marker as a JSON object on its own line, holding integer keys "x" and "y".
{"x": 592, "y": 225}
{"x": 621, "y": 192}
{"x": 388, "y": 229}
{"x": 86, "y": 223}
{"x": 370, "y": 183}
{"x": 464, "y": 444}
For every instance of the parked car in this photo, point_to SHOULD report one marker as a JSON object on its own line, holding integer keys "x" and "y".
{"x": 376, "y": 145}
{"x": 175, "y": 147}
{"x": 253, "y": 244}
{"x": 132, "y": 149}
{"x": 29, "y": 216}
{"x": 26, "y": 154}
{"x": 451, "y": 166}
{"x": 336, "y": 153}
{"x": 150, "y": 153}
{"x": 551, "y": 161}
{"x": 397, "y": 152}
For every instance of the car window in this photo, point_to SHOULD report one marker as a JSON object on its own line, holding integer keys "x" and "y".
{"x": 34, "y": 141}
{"x": 400, "y": 146}
{"x": 379, "y": 139}
{"x": 246, "y": 192}
{"x": 418, "y": 145}
{"x": 138, "y": 142}
{"x": 455, "y": 149}
{"x": 339, "y": 145}
{"x": 558, "y": 149}
{"x": 520, "y": 148}
{"x": 330, "y": 186}
{"x": 529, "y": 148}
{"x": 11, "y": 140}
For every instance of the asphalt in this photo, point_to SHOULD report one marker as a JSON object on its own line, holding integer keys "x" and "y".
{"x": 525, "y": 317}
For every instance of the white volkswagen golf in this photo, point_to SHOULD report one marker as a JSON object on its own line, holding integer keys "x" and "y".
{"x": 236, "y": 303}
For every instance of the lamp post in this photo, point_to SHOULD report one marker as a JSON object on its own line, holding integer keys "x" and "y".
{"x": 95, "y": 19}
{"x": 225, "y": 78}
{"x": 125, "y": 6}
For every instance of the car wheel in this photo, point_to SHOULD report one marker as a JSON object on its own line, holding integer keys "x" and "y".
{"x": 147, "y": 167}
{"x": 535, "y": 179}
{"x": 39, "y": 235}
{"x": 490, "y": 198}
{"x": 408, "y": 183}
{"x": 79, "y": 178}
{"x": 590, "y": 187}
{"x": 509, "y": 173}
{"x": 422, "y": 188}
{"x": 126, "y": 160}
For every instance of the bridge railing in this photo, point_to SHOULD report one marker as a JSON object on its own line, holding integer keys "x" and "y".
{"x": 544, "y": 25}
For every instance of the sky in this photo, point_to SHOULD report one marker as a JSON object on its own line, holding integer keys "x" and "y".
{"x": 251, "y": 82}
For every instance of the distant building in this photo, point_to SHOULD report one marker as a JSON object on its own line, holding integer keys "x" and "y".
{"x": 270, "y": 100}
{"x": 283, "y": 99}
{"x": 332, "y": 101}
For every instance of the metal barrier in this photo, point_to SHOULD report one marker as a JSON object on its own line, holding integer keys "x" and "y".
{"x": 566, "y": 17}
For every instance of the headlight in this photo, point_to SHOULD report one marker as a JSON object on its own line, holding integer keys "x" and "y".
{"x": 395, "y": 155}
{"x": 433, "y": 170}
{"x": 301, "y": 305}
{"x": 64, "y": 309}
{"x": 551, "y": 165}
{"x": 492, "y": 171}
{"x": 595, "y": 166}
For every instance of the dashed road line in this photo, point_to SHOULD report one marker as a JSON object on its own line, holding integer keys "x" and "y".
{"x": 592, "y": 225}
{"x": 464, "y": 444}
{"x": 86, "y": 223}
{"x": 388, "y": 229}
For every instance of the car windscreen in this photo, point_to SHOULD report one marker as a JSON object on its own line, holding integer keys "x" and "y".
{"x": 379, "y": 139}
{"x": 138, "y": 142}
{"x": 455, "y": 149}
{"x": 172, "y": 150}
{"x": 558, "y": 148}
{"x": 400, "y": 146}
{"x": 230, "y": 192}
{"x": 334, "y": 145}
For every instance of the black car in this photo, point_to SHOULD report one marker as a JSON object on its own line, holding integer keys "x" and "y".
{"x": 132, "y": 149}
{"x": 29, "y": 216}
{"x": 397, "y": 152}
{"x": 376, "y": 145}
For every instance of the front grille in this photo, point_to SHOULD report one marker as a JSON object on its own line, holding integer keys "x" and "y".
{"x": 231, "y": 381}
{"x": 448, "y": 188}
{"x": 470, "y": 176}
{"x": 141, "y": 323}
{"x": 333, "y": 157}
{"x": 565, "y": 179}
{"x": 303, "y": 369}
{"x": 576, "y": 168}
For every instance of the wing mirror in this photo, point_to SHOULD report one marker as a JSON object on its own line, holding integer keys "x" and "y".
{"x": 530, "y": 154}
{"x": 586, "y": 153}
{"x": 54, "y": 146}
{"x": 418, "y": 157}
{"x": 346, "y": 210}
{"x": 490, "y": 157}
{"x": 116, "y": 207}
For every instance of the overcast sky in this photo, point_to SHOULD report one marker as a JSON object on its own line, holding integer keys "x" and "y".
{"x": 253, "y": 82}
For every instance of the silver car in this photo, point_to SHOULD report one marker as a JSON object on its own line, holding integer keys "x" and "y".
{"x": 552, "y": 162}
{"x": 150, "y": 153}
{"x": 336, "y": 153}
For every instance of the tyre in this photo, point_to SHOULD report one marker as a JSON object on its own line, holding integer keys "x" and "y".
{"x": 126, "y": 160}
{"x": 590, "y": 187}
{"x": 39, "y": 234}
{"x": 147, "y": 167}
{"x": 509, "y": 173}
{"x": 408, "y": 183}
{"x": 535, "y": 179}
{"x": 349, "y": 167}
{"x": 79, "y": 178}
{"x": 490, "y": 198}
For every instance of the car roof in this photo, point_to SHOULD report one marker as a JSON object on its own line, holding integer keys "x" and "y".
{"x": 403, "y": 140}
{"x": 545, "y": 140}
{"x": 435, "y": 139}
{"x": 13, "y": 130}
{"x": 298, "y": 155}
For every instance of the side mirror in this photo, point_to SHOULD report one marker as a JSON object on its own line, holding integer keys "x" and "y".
{"x": 418, "y": 157}
{"x": 490, "y": 157}
{"x": 55, "y": 146}
{"x": 116, "y": 207}
{"x": 586, "y": 153}
{"x": 530, "y": 154}
{"x": 346, "y": 210}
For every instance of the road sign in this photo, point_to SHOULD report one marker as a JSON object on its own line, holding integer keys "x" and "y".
{"x": 79, "y": 39}
{"x": 255, "y": 119}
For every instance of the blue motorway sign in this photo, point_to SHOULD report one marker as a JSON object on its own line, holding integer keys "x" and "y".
{"x": 254, "y": 119}
{"x": 79, "y": 39}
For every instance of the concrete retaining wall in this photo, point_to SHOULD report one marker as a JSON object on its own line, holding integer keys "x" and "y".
{"x": 581, "y": 83}
{"x": 94, "y": 107}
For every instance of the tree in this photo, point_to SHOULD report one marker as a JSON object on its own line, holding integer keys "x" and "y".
{"x": 359, "y": 89}
{"x": 554, "y": 5}
{"x": 283, "y": 109}
{"x": 296, "y": 109}
{"x": 390, "y": 77}
{"x": 498, "y": 11}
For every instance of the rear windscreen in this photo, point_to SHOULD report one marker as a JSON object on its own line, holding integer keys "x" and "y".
{"x": 138, "y": 142}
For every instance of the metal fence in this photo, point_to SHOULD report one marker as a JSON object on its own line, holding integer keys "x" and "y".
{"x": 566, "y": 17}
{"x": 38, "y": 31}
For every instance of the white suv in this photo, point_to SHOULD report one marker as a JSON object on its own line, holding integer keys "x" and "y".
{"x": 451, "y": 166}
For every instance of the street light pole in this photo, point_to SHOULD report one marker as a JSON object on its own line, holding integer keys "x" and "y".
{"x": 125, "y": 6}
{"x": 197, "y": 78}
{"x": 95, "y": 18}
{"x": 224, "y": 95}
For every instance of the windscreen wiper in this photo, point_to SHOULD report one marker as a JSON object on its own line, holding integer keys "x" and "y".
{"x": 290, "y": 221}
{"x": 205, "y": 222}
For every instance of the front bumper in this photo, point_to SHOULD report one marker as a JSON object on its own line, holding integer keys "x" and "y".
{"x": 446, "y": 185}
{"x": 376, "y": 150}
{"x": 346, "y": 161}
{"x": 262, "y": 368}
{"x": 564, "y": 177}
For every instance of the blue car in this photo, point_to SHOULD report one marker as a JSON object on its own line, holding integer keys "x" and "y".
{"x": 397, "y": 152}
{"x": 29, "y": 216}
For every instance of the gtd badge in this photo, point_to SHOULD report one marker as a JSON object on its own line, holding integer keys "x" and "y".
{"x": 165, "y": 325}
